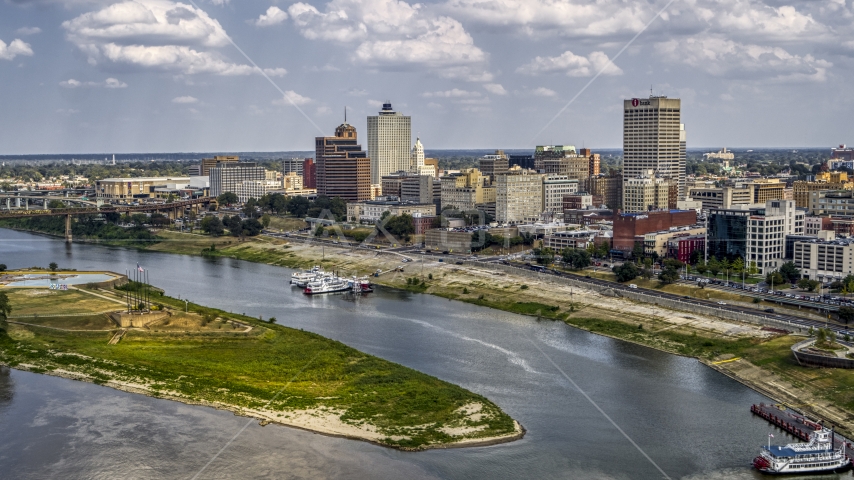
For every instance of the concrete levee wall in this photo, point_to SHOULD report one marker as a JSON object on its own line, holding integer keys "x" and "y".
{"x": 639, "y": 296}
{"x": 816, "y": 360}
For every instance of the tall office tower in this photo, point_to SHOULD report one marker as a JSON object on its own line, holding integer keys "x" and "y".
{"x": 654, "y": 139}
{"x": 495, "y": 164}
{"x": 389, "y": 138}
{"x": 309, "y": 173}
{"x": 293, "y": 165}
{"x": 416, "y": 156}
{"x": 343, "y": 168}
{"x": 209, "y": 163}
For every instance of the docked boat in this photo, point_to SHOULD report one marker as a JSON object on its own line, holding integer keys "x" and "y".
{"x": 816, "y": 456}
{"x": 301, "y": 279}
{"x": 361, "y": 285}
{"x": 326, "y": 285}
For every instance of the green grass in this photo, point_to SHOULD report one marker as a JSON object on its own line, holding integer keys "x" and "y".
{"x": 248, "y": 371}
{"x": 82, "y": 322}
{"x": 27, "y": 301}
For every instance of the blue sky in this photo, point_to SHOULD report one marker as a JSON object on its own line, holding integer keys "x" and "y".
{"x": 162, "y": 75}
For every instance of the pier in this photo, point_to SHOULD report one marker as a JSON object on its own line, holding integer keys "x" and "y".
{"x": 796, "y": 424}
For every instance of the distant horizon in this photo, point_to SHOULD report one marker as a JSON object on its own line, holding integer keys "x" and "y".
{"x": 13, "y": 156}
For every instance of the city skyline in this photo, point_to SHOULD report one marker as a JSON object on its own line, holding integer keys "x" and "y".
{"x": 158, "y": 75}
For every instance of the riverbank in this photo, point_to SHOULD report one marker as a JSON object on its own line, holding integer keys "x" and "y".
{"x": 762, "y": 363}
{"x": 253, "y": 368}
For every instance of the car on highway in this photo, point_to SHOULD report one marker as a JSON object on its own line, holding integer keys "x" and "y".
{"x": 632, "y": 285}
{"x": 768, "y": 310}
{"x": 721, "y": 303}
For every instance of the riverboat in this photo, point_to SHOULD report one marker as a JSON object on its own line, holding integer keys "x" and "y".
{"x": 816, "y": 456}
{"x": 301, "y": 279}
{"x": 361, "y": 285}
{"x": 326, "y": 285}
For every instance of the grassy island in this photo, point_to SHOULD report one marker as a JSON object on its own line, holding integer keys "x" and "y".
{"x": 254, "y": 368}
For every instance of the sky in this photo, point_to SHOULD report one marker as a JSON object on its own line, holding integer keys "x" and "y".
{"x": 104, "y": 76}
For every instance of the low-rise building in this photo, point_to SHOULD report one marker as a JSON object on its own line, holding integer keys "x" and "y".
{"x": 813, "y": 225}
{"x": 465, "y": 190}
{"x": 825, "y": 259}
{"x": 629, "y": 227}
{"x": 803, "y": 190}
{"x": 127, "y": 188}
{"x": 756, "y": 234}
{"x": 451, "y": 240}
{"x": 255, "y": 189}
{"x": 372, "y": 211}
{"x": 831, "y": 202}
{"x": 610, "y": 188}
{"x": 657, "y": 242}
{"x": 580, "y": 201}
{"x": 571, "y": 239}
{"x": 681, "y": 247}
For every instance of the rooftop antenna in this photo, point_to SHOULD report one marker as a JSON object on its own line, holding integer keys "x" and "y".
{"x": 650, "y": 90}
{"x": 345, "y": 114}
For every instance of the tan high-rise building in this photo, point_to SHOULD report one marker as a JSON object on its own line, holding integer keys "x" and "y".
{"x": 209, "y": 163}
{"x": 343, "y": 168}
{"x": 593, "y": 159}
{"x": 610, "y": 188}
{"x": 518, "y": 196}
{"x": 654, "y": 139}
{"x": 647, "y": 192}
{"x": 465, "y": 190}
{"x": 389, "y": 141}
{"x": 823, "y": 181}
{"x": 494, "y": 164}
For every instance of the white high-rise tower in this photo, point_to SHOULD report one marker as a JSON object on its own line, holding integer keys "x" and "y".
{"x": 654, "y": 139}
{"x": 389, "y": 140}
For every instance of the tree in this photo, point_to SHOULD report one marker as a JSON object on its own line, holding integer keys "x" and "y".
{"x": 278, "y": 203}
{"x": 298, "y": 206}
{"x": 774, "y": 278}
{"x": 846, "y": 314}
{"x": 753, "y": 269}
{"x": 265, "y": 220}
{"x": 2, "y": 267}
{"x": 790, "y": 272}
{"x": 401, "y": 226}
{"x": 807, "y": 284}
{"x": 701, "y": 267}
{"x": 250, "y": 227}
{"x": 55, "y": 204}
{"x": 227, "y": 198}
{"x": 575, "y": 258}
{"x": 714, "y": 266}
{"x": 668, "y": 275}
{"x": 212, "y": 225}
{"x": 5, "y": 309}
{"x": 158, "y": 220}
{"x": 646, "y": 273}
{"x": 737, "y": 265}
{"x": 233, "y": 224}
{"x": 696, "y": 257}
{"x": 250, "y": 208}
{"x": 139, "y": 219}
{"x": 544, "y": 256}
{"x": 53, "y": 266}
{"x": 637, "y": 251}
{"x": 625, "y": 272}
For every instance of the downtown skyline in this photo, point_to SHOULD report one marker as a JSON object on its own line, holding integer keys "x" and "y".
{"x": 158, "y": 76}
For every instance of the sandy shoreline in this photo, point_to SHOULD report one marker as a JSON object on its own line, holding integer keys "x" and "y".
{"x": 314, "y": 421}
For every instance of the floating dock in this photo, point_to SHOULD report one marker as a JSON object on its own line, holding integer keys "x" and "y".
{"x": 794, "y": 423}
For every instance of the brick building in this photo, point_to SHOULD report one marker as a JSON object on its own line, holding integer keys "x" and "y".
{"x": 628, "y": 226}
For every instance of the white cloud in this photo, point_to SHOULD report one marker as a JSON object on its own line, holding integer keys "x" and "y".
{"x": 394, "y": 35}
{"x": 185, "y": 100}
{"x": 67, "y": 111}
{"x": 275, "y": 72}
{"x": 357, "y": 92}
{"x": 572, "y": 65}
{"x": 12, "y": 50}
{"x": 114, "y": 83}
{"x": 543, "y": 92}
{"x": 157, "y": 34}
{"x": 323, "y": 110}
{"x": 453, "y": 93}
{"x": 108, "y": 83}
{"x": 495, "y": 89}
{"x": 723, "y": 57}
{"x": 274, "y": 16}
{"x": 609, "y": 18}
{"x": 292, "y": 98}
{"x": 28, "y": 30}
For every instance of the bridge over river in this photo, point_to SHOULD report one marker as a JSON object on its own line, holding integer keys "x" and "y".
{"x": 86, "y": 207}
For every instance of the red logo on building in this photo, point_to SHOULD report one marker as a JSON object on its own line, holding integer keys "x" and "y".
{"x": 635, "y": 102}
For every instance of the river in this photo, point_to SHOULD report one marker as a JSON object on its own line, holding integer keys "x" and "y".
{"x": 642, "y": 413}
